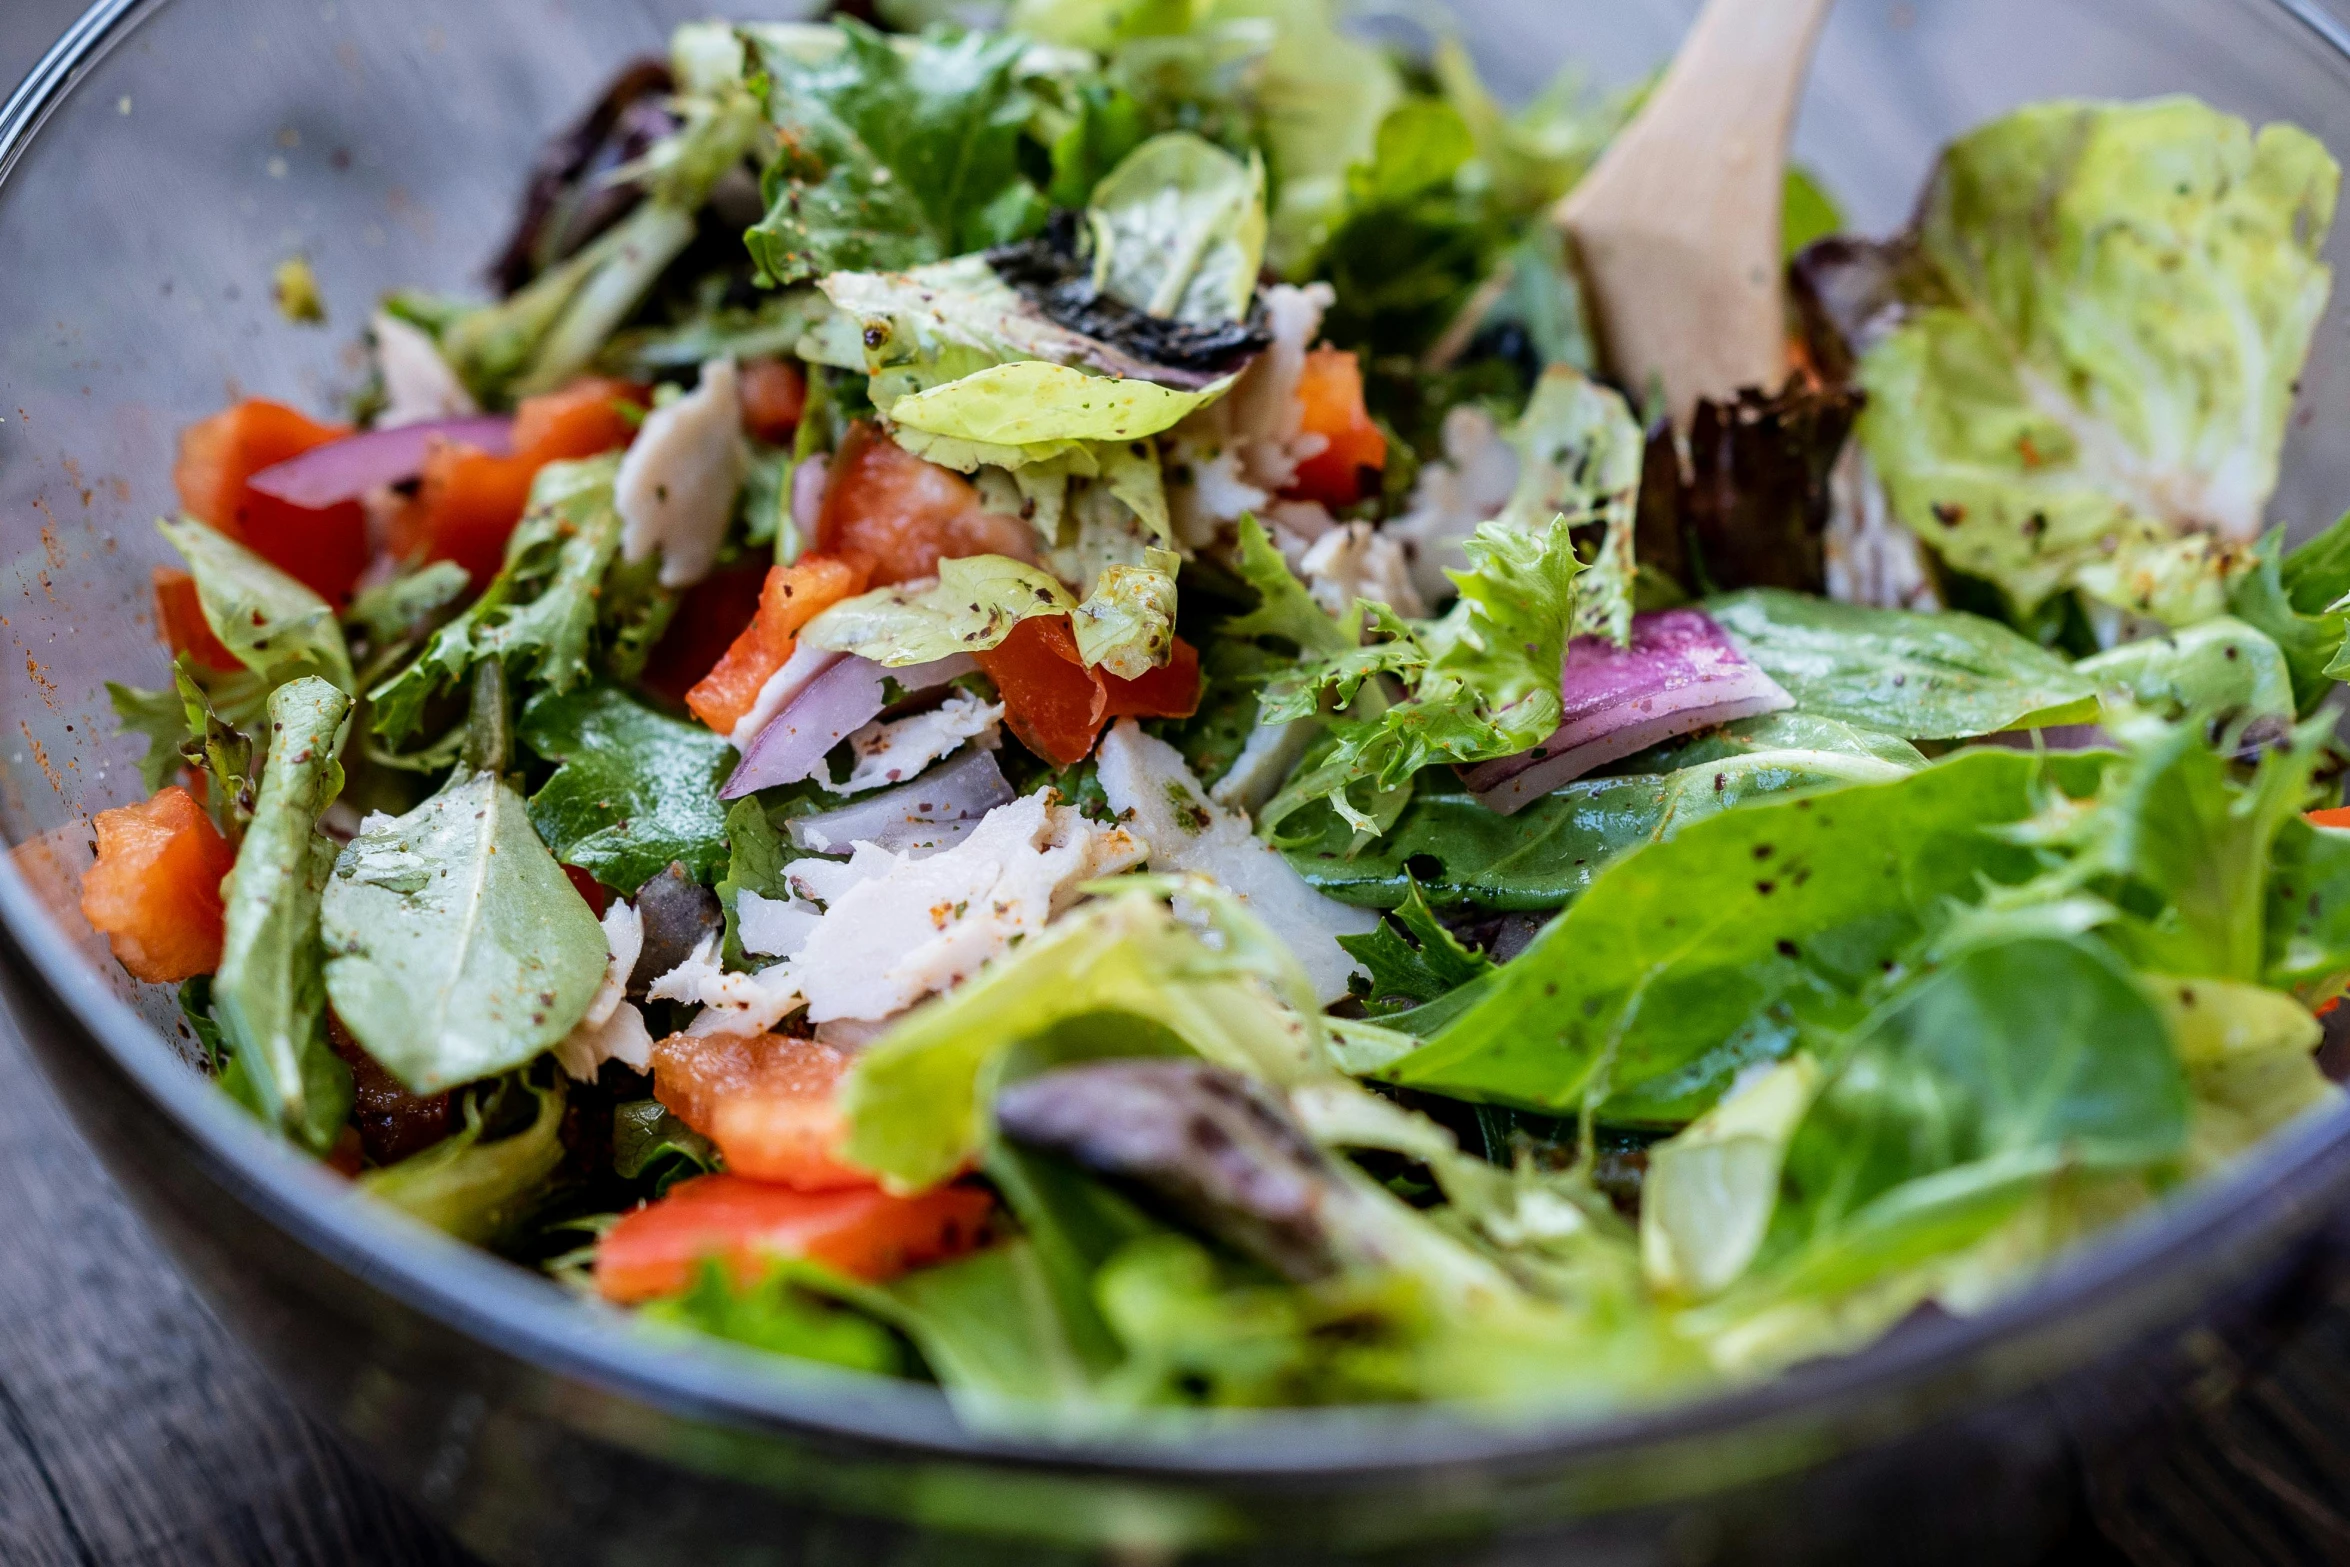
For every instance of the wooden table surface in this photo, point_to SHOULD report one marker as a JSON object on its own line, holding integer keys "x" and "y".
{"x": 134, "y": 1430}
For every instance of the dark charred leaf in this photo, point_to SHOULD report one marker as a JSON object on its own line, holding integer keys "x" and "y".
{"x": 1849, "y": 293}
{"x": 1752, "y": 503}
{"x": 567, "y": 202}
{"x": 678, "y": 914}
{"x": 1217, "y": 1149}
{"x": 1048, "y": 271}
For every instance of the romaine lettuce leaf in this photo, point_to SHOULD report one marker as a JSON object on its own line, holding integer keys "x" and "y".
{"x": 1179, "y": 230}
{"x": 2110, "y": 308}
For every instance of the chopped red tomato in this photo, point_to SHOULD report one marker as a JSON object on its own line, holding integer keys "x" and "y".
{"x": 180, "y": 616}
{"x": 792, "y": 596}
{"x": 469, "y": 501}
{"x": 2334, "y": 816}
{"x": 155, "y": 891}
{"x": 745, "y": 1225}
{"x": 774, "y": 395}
{"x": 591, "y": 891}
{"x": 325, "y": 547}
{"x": 710, "y": 615}
{"x": 1331, "y": 390}
{"x": 902, "y": 516}
{"x": 1056, "y": 706}
{"x": 770, "y": 1103}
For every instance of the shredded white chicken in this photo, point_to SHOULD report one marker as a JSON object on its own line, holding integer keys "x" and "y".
{"x": 1871, "y": 558}
{"x": 1155, "y": 794}
{"x": 895, "y": 750}
{"x": 677, "y": 485}
{"x": 418, "y": 383}
{"x": 1470, "y": 485}
{"x": 865, "y": 938}
{"x": 1358, "y": 562}
{"x": 1235, "y": 455}
{"x": 612, "y": 1030}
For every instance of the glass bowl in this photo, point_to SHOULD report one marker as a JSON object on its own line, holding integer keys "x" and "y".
{"x": 155, "y": 169}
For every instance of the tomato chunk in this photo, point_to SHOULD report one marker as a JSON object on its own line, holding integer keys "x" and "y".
{"x": 1331, "y": 390}
{"x": 902, "y": 516}
{"x": 770, "y": 1103}
{"x": 325, "y": 547}
{"x": 710, "y": 615}
{"x": 774, "y": 395}
{"x": 745, "y": 1224}
{"x": 592, "y": 415}
{"x": 155, "y": 890}
{"x": 792, "y": 596}
{"x": 1056, "y": 706}
{"x": 179, "y": 614}
{"x": 2335, "y": 816}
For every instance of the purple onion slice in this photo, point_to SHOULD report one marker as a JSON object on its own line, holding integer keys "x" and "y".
{"x": 827, "y": 710}
{"x": 346, "y": 469}
{"x": 1680, "y": 675}
{"x": 936, "y": 811}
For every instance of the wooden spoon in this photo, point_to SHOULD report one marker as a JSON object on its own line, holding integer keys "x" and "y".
{"x": 1678, "y": 226}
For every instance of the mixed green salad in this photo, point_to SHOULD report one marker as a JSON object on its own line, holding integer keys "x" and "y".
{"x": 1027, "y": 713}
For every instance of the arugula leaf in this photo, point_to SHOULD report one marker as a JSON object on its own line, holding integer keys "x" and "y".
{"x": 1459, "y": 850}
{"x": 633, "y": 789}
{"x": 276, "y": 627}
{"x": 892, "y": 156}
{"x": 392, "y": 612}
{"x": 267, "y": 992}
{"x": 756, "y": 855}
{"x": 456, "y": 948}
{"x": 650, "y": 1143}
{"x": 1699, "y": 952}
{"x": 478, "y": 1191}
{"x": 539, "y": 613}
{"x": 1179, "y": 230}
{"x": 1947, "y": 676}
{"x": 1412, "y": 958}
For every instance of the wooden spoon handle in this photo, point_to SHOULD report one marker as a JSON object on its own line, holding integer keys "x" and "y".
{"x": 1679, "y": 224}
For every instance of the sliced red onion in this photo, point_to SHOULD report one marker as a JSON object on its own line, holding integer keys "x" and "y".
{"x": 807, "y": 496}
{"x": 346, "y": 469}
{"x": 827, "y": 710}
{"x": 936, "y": 811}
{"x": 1680, "y": 675}
{"x": 914, "y": 679}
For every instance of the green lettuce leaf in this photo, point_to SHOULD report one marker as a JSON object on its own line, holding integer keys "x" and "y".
{"x": 457, "y": 948}
{"x": 276, "y": 627}
{"x": 2216, "y": 668}
{"x": 1947, "y": 676}
{"x": 1683, "y": 962}
{"x": 268, "y": 993}
{"x": 1127, "y": 623}
{"x": 633, "y": 790}
{"x": 1711, "y": 1188}
{"x": 2110, "y": 308}
{"x": 2294, "y": 598}
{"x": 1179, "y": 230}
{"x": 2306, "y": 936}
{"x": 1285, "y": 612}
{"x": 972, "y": 607}
{"x": 1580, "y": 453}
{"x": 1032, "y": 404}
{"x": 916, "y": 1100}
{"x": 895, "y": 153}
{"x": 539, "y": 614}
{"x": 478, "y": 1191}
{"x": 1459, "y": 850}
{"x": 788, "y": 1312}
{"x": 1412, "y": 958}
{"x": 650, "y": 1144}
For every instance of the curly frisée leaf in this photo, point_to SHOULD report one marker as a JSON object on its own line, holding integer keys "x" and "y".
{"x": 2110, "y": 305}
{"x": 970, "y": 608}
{"x": 1127, "y": 623}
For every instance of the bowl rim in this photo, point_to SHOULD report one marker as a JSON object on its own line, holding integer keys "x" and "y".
{"x": 2279, "y": 1190}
